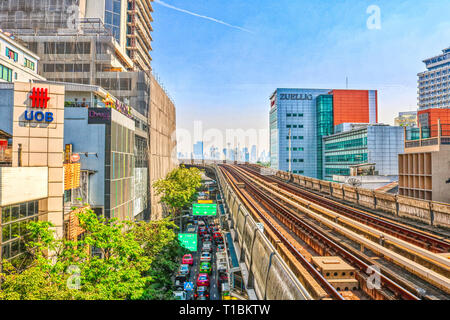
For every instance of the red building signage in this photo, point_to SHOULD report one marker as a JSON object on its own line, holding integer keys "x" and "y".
{"x": 39, "y": 99}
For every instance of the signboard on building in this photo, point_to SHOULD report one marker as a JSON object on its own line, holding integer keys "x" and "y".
{"x": 75, "y": 157}
{"x": 204, "y": 209}
{"x": 39, "y": 99}
{"x": 99, "y": 116}
{"x": 72, "y": 172}
{"x": 67, "y": 153}
{"x": 189, "y": 241}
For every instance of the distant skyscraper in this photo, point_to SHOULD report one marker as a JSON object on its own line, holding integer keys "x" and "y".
{"x": 198, "y": 150}
{"x": 253, "y": 154}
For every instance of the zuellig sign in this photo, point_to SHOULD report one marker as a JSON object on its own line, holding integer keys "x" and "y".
{"x": 39, "y": 99}
{"x": 296, "y": 96}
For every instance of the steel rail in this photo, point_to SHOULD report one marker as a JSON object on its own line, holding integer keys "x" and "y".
{"x": 416, "y": 237}
{"x": 404, "y": 293}
{"x": 313, "y": 271}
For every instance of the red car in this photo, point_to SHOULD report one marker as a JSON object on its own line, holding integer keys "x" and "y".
{"x": 217, "y": 235}
{"x": 202, "y": 231}
{"x": 203, "y": 280}
{"x": 188, "y": 259}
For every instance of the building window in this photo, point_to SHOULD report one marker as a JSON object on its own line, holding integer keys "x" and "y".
{"x": 12, "y": 54}
{"x": 112, "y": 17}
{"x": 6, "y": 73}
{"x": 15, "y": 219}
{"x": 29, "y": 64}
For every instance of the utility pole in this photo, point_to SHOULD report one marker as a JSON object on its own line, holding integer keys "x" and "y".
{"x": 290, "y": 152}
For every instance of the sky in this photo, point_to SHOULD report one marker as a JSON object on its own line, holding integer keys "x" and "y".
{"x": 220, "y": 61}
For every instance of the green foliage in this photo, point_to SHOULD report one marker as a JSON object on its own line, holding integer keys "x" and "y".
{"x": 179, "y": 188}
{"x": 264, "y": 164}
{"x": 137, "y": 262}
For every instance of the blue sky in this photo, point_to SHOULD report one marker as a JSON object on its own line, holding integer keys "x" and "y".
{"x": 224, "y": 76}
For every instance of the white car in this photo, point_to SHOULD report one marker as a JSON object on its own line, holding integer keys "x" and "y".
{"x": 205, "y": 257}
{"x": 180, "y": 295}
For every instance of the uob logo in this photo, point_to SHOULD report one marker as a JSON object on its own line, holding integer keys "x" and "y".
{"x": 39, "y": 99}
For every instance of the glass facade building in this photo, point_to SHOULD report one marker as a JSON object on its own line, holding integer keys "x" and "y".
{"x": 294, "y": 110}
{"x": 310, "y": 115}
{"x": 112, "y": 17}
{"x": 378, "y": 144}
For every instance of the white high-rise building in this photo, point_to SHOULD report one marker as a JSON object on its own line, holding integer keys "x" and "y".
{"x": 434, "y": 89}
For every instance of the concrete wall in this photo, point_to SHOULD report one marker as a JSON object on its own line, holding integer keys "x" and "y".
{"x": 162, "y": 126}
{"x": 22, "y": 184}
{"x": 269, "y": 275}
{"x": 88, "y": 138}
{"x": 441, "y": 174}
{"x": 429, "y": 212}
{"x": 42, "y": 143}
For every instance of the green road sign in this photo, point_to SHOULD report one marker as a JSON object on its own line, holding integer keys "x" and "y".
{"x": 188, "y": 241}
{"x": 202, "y": 209}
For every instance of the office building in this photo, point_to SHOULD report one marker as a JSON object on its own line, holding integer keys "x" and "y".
{"x": 107, "y": 44}
{"x": 406, "y": 119}
{"x": 253, "y": 154}
{"x": 198, "y": 150}
{"x": 309, "y": 115}
{"x": 424, "y": 171}
{"x": 433, "y": 84}
{"x": 375, "y": 144}
{"x": 110, "y": 162}
{"x": 32, "y": 179}
{"x": 17, "y": 63}
{"x": 128, "y": 21}
{"x": 429, "y": 118}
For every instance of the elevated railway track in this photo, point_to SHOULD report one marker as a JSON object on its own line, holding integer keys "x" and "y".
{"x": 291, "y": 213}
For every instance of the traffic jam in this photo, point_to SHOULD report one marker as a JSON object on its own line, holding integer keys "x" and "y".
{"x": 203, "y": 274}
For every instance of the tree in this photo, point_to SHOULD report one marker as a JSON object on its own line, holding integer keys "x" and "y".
{"x": 179, "y": 188}
{"x": 123, "y": 271}
{"x": 159, "y": 240}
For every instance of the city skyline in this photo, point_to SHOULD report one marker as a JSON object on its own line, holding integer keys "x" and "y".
{"x": 242, "y": 69}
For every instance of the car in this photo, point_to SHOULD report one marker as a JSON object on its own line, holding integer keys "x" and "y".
{"x": 206, "y": 238}
{"x": 205, "y": 267}
{"x": 205, "y": 257}
{"x": 207, "y": 246}
{"x": 220, "y": 248}
{"x": 188, "y": 259}
{"x": 184, "y": 269}
{"x": 202, "y": 231}
{"x": 222, "y": 278}
{"x": 202, "y": 293}
{"x": 203, "y": 280}
{"x": 182, "y": 278}
{"x": 180, "y": 295}
{"x": 179, "y": 285}
{"x": 217, "y": 236}
{"x": 215, "y": 229}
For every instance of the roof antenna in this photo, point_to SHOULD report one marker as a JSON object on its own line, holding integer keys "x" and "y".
{"x": 346, "y": 82}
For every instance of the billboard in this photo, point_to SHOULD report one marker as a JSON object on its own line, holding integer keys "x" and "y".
{"x": 188, "y": 241}
{"x": 201, "y": 209}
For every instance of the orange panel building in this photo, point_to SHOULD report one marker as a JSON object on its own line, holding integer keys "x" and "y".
{"x": 355, "y": 106}
{"x": 429, "y": 118}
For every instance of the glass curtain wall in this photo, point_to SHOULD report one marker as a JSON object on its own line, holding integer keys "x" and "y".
{"x": 324, "y": 127}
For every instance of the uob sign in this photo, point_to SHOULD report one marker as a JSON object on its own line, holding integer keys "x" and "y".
{"x": 39, "y": 99}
